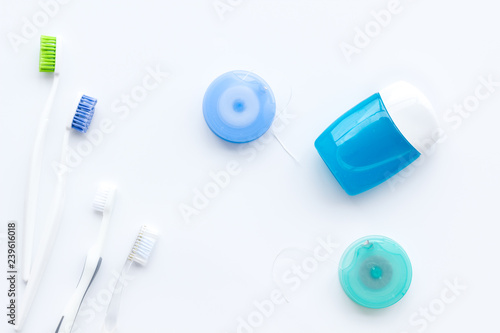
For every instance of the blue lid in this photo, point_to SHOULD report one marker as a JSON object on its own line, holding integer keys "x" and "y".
{"x": 375, "y": 272}
{"x": 363, "y": 147}
{"x": 239, "y": 106}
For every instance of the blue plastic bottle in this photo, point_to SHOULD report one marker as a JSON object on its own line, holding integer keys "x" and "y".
{"x": 378, "y": 137}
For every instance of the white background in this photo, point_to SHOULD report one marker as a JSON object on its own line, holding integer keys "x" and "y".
{"x": 205, "y": 274}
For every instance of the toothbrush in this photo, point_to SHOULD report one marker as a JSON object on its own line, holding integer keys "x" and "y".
{"x": 80, "y": 122}
{"x": 48, "y": 63}
{"x": 140, "y": 254}
{"x": 103, "y": 203}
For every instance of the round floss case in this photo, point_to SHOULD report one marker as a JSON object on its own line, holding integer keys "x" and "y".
{"x": 239, "y": 106}
{"x": 375, "y": 272}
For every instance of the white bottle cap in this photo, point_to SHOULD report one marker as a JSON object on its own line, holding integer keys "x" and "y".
{"x": 412, "y": 113}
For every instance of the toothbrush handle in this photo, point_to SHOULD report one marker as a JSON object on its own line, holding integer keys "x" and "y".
{"x": 90, "y": 269}
{"x": 92, "y": 265}
{"x": 111, "y": 318}
{"x": 46, "y": 246}
{"x": 47, "y": 241}
{"x": 34, "y": 181}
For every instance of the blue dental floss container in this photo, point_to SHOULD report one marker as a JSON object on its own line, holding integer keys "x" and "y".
{"x": 239, "y": 106}
{"x": 375, "y": 272}
{"x": 378, "y": 137}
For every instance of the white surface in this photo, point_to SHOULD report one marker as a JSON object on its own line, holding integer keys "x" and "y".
{"x": 412, "y": 113}
{"x": 206, "y": 274}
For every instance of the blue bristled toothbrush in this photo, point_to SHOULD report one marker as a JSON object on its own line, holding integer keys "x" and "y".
{"x": 79, "y": 122}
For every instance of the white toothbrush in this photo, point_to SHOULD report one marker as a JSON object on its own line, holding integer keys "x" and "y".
{"x": 140, "y": 253}
{"x": 48, "y": 63}
{"x": 80, "y": 122}
{"x": 103, "y": 202}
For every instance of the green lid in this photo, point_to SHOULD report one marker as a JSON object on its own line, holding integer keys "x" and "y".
{"x": 375, "y": 272}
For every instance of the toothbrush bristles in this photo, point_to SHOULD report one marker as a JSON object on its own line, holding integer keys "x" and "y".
{"x": 84, "y": 113}
{"x": 104, "y": 197}
{"x": 143, "y": 245}
{"x": 47, "y": 61}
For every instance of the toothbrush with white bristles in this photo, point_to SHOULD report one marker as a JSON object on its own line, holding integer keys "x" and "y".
{"x": 103, "y": 203}
{"x": 80, "y": 122}
{"x": 140, "y": 254}
{"x": 51, "y": 64}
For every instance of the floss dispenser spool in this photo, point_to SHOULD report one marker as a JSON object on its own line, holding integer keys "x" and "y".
{"x": 239, "y": 106}
{"x": 375, "y": 272}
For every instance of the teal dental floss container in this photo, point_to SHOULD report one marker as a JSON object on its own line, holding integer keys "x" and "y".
{"x": 375, "y": 272}
{"x": 378, "y": 137}
{"x": 239, "y": 106}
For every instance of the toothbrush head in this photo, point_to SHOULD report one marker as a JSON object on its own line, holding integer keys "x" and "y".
{"x": 143, "y": 245}
{"x": 104, "y": 198}
{"x": 47, "y": 54}
{"x": 84, "y": 113}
